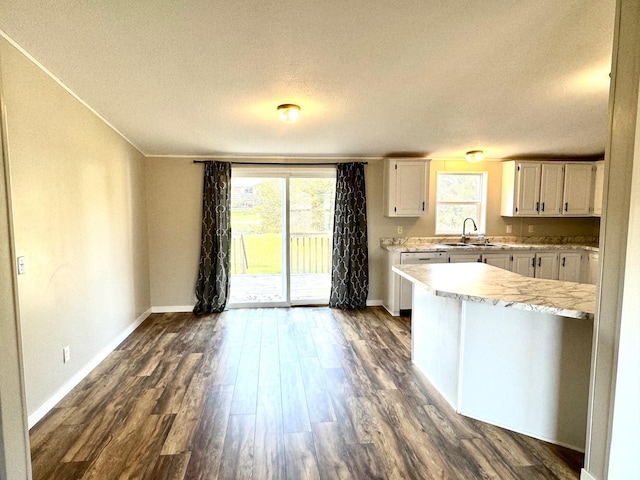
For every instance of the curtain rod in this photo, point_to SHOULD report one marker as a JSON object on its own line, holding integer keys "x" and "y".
{"x": 282, "y": 164}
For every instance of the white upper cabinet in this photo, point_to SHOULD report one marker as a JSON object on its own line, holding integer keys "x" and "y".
{"x": 527, "y": 188}
{"x": 577, "y": 189}
{"x": 598, "y": 184}
{"x": 405, "y": 187}
{"x": 552, "y": 189}
{"x": 551, "y": 181}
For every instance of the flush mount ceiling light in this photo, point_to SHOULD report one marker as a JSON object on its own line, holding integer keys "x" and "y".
{"x": 474, "y": 156}
{"x": 289, "y": 112}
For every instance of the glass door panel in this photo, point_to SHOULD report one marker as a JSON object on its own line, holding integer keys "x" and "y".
{"x": 257, "y": 253}
{"x": 310, "y": 238}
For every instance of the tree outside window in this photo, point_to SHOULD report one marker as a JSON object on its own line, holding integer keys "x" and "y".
{"x": 460, "y": 195}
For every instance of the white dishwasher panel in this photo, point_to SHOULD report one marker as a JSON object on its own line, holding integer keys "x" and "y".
{"x": 407, "y": 258}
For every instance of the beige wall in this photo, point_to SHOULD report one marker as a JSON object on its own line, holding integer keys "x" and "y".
{"x": 174, "y": 203}
{"x": 174, "y": 191}
{"x": 80, "y": 221}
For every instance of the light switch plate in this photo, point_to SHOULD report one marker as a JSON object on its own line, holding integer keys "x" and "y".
{"x": 21, "y": 265}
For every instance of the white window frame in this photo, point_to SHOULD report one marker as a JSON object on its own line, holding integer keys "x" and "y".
{"x": 481, "y": 205}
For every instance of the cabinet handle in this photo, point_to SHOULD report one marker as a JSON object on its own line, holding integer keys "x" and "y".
{"x": 566, "y": 206}
{"x": 485, "y": 260}
{"x": 537, "y": 206}
{"x": 564, "y": 259}
{"x": 539, "y": 261}
{"x": 533, "y": 262}
{"x": 423, "y": 206}
{"x": 543, "y": 206}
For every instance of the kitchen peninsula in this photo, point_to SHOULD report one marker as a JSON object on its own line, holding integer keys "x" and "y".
{"x": 503, "y": 348}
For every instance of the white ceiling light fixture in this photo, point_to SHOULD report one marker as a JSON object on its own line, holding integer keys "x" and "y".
{"x": 289, "y": 112}
{"x": 474, "y": 156}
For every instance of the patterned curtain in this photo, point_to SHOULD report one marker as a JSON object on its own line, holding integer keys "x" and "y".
{"x": 212, "y": 289}
{"x": 350, "y": 257}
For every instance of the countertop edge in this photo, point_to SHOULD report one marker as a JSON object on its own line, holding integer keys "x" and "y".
{"x": 436, "y": 247}
{"x": 496, "y": 301}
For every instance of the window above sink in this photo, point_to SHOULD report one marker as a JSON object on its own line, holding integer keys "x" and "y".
{"x": 460, "y": 195}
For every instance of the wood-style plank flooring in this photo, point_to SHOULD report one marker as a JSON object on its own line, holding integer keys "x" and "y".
{"x": 301, "y": 393}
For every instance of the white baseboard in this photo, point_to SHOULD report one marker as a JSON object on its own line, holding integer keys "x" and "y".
{"x": 46, "y": 407}
{"x": 584, "y": 475}
{"x": 396, "y": 314}
{"x": 189, "y": 308}
{"x": 173, "y": 309}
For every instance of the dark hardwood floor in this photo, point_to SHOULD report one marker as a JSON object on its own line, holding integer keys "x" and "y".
{"x": 298, "y": 393}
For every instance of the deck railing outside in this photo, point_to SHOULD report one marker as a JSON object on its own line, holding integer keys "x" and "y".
{"x": 310, "y": 253}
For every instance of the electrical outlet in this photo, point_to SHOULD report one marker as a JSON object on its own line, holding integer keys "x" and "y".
{"x": 509, "y": 228}
{"x": 530, "y": 228}
{"x": 400, "y": 229}
{"x": 66, "y": 354}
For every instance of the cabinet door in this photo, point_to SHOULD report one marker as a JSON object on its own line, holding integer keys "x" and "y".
{"x": 598, "y": 185}
{"x": 528, "y": 188}
{"x": 570, "y": 267}
{"x": 463, "y": 257}
{"x": 523, "y": 263}
{"x": 547, "y": 265}
{"x": 577, "y": 189}
{"x": 500, "y": 260}
{"x": 405, "y": 188}
{"x": 552, "y": 178}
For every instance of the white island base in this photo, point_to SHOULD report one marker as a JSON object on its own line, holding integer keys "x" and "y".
{"x": 523, "y": 370}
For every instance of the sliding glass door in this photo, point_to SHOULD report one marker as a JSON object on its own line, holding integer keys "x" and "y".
{"x": 282, "y": 230}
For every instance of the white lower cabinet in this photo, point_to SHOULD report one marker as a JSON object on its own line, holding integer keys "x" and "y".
{"x": 535, "y": 264}
{"x": 570, "y": 267}
{"x": 463, "y": 257}
{"x": 592, "y": 268}
{"x": 500, "y": 260}
{"x": 547, "y": 265}
{"x": 523, "y": 263}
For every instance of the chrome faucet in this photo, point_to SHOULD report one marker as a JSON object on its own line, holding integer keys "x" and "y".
{"x": 465, "y": 235}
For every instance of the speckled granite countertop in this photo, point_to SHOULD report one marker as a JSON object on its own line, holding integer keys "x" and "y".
{"x": 439, "y": 244}
{"x": 479, "y": 282}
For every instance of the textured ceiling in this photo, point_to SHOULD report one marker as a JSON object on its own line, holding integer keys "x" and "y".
{"x": 433, "y": 77}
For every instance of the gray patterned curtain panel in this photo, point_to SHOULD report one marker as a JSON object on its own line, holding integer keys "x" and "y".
{"x": 350, "y": 256}
{"x": 212, "y": 288}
